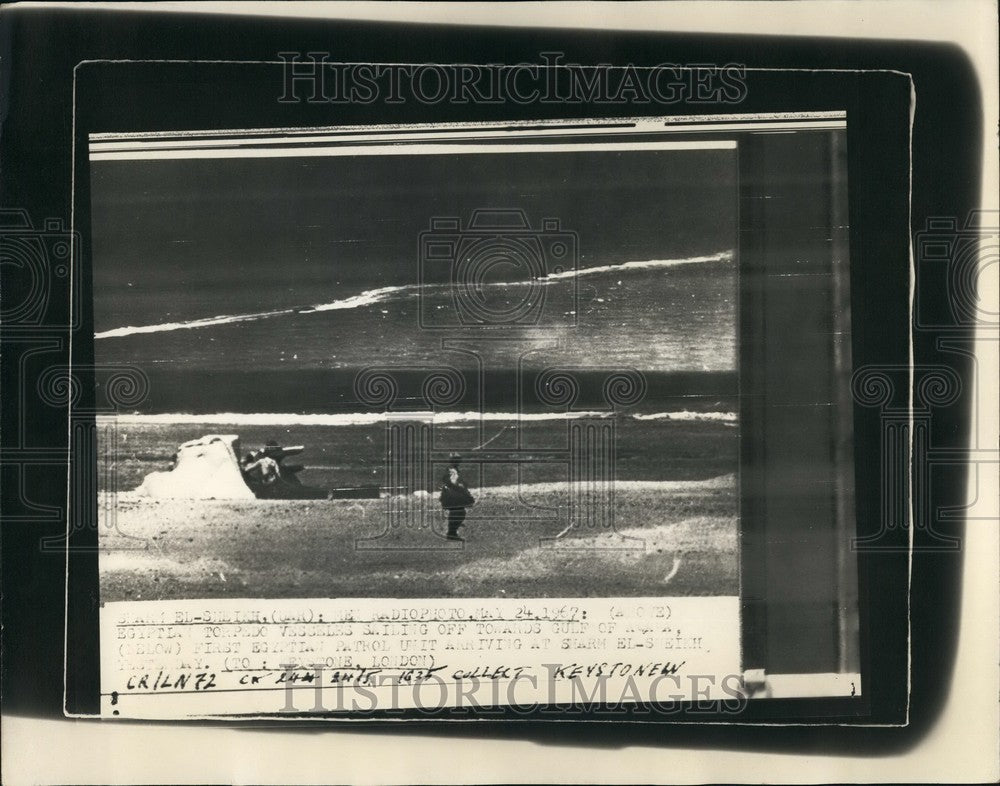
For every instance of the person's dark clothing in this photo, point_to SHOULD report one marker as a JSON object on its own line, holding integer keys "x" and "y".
{"x": 455, "y": 498}
{"x": 455, "y": 518}
{"x": 455, "y": 495}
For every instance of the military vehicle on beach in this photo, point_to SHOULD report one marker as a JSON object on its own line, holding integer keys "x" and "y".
{"x": 210, "y": 468}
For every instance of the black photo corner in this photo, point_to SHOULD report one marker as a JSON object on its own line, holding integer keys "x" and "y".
{"x": 65, "y": 76}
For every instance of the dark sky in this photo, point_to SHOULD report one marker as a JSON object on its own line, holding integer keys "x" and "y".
{"x": 214, "y": 236}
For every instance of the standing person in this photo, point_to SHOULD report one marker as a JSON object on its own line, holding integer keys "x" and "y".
{"x": 455, "y": 498}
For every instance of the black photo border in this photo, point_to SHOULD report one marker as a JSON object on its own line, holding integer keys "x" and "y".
{"x": 38, "y": 147}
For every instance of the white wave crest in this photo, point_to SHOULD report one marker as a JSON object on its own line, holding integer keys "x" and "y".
{"x": 371, "y": 418}
{"x": 224, "y": 319}
{"x": 647, "y": 264}
{"x": 366, "y": 298}
{"x": 372, "y": 296}
{"x": 723, "y": 417}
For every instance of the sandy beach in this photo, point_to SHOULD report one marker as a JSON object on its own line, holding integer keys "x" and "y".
{"x": 668, "y": 538}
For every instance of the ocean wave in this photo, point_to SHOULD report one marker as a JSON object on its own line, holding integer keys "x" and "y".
{"x": 367, "y": 298}
{"x": 163, "y": 327}
{"x": 379, "y": 295}
{"x": 647, "y": 264}
{"x": 724, "y": 417}
{"x": 372, "y": 418}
